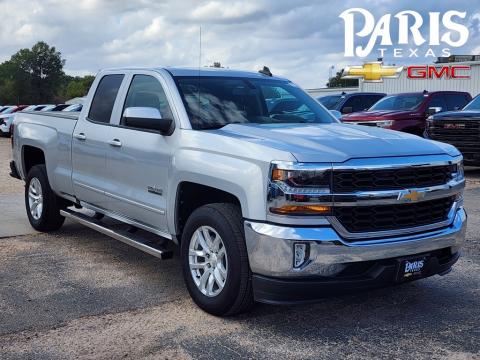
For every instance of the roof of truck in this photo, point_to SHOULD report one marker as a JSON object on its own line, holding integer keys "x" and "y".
{"x": 204, "y": 71}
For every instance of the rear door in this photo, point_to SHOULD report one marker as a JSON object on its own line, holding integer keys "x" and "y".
{"x": 90, "y": 143}
{"x": 138, "y": 161}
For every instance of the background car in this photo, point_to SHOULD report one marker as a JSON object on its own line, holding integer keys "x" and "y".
{"x": 73, "y": 108}
{"x": 6, "y": 118}
{"x": 459, "y": 128}
{"x": 59, "y": 107}
{"x": 408, "y": 112}
{"x": 350, "y": 103}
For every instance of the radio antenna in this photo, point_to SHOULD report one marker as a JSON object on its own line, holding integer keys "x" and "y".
{"x": 199, "y": 64}
{"x": 200, "y": 49}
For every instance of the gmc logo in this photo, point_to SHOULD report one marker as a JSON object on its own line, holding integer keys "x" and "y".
{"x": 438, "y": 72}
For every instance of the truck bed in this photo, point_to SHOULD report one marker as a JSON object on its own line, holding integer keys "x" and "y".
{"x": 52, "y": 131}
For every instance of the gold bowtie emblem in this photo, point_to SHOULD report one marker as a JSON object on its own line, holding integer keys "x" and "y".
{"x": 411, "y": 196}
{"x": 372, "y": 72}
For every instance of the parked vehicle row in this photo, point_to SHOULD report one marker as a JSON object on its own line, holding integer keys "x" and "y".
{"x": 7, "y": 113}
{"x": 447, "y": 116}
{"x": 267, "y": 195}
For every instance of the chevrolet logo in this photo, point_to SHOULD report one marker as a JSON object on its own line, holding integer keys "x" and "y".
{"x": 372, "y": 72}
{"x": 411, "y": 195}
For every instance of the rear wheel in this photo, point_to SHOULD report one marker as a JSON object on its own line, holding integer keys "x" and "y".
{"x": 42, "y": 205}
{"x": 215, "y": 262}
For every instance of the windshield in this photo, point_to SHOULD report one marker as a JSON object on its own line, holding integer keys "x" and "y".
{"x": 213, "y": 102}
{"x": 399, "y": 102}
{"x": 331, "y": 101}
{"x": 9, "y": 110}
{"x": 73, "y": 108}
{"x": 473, "y": 105}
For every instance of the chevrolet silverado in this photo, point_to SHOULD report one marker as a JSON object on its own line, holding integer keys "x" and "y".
{"x": 267, "y": 195}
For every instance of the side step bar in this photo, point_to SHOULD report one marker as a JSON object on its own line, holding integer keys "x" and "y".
{"x": 126, "y": 237}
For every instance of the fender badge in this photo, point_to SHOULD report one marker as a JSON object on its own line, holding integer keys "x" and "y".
{"x": 154, "y": 190}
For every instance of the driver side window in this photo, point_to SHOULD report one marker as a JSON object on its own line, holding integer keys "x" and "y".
{"x": 146, "y": 91}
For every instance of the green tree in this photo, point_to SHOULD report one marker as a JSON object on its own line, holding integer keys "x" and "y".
{"x": 78, "y": 86}
{"x": 337, "y": 81}
{"x": 32, "y": 76}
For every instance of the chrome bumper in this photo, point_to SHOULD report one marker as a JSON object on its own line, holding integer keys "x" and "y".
{"x": 270, "y": 247}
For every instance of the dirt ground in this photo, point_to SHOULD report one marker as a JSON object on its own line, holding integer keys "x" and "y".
{"x": 76, "y": 294}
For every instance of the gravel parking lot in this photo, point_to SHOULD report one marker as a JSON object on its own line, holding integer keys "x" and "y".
{"x": 79, "y": 294}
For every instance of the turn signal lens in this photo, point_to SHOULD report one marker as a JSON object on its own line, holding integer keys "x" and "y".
{"x": 301, "y": 210}
{"x": 278, "y": 175}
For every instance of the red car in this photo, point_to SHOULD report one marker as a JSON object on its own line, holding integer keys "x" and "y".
{"x": 408, "y": 112}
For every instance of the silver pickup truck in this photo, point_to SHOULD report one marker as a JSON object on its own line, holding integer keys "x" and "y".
{"x": 267, "y": 195}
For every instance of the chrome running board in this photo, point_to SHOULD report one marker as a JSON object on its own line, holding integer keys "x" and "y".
{"x": 129, "y": 238}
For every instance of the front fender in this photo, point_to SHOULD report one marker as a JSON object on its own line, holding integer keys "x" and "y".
{"x": 244, "y": 178}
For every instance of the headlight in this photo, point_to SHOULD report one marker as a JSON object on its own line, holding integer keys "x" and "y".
{"x": 296, "y": 189}
{"x": 384, "y": 123}
{"x": 303, "y": 179}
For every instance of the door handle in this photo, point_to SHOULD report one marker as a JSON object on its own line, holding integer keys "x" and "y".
{"x": 80, "y": 136}
{"x": 115, "y": 142}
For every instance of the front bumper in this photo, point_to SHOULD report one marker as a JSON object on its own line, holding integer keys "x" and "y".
{"x": 381, "y": 273}
{"x": 271, "y": 252}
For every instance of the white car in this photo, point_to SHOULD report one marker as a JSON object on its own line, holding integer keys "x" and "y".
{"x": 6, "y": 118}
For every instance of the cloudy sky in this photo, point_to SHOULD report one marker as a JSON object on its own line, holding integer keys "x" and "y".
{"x": 297, "y": 39}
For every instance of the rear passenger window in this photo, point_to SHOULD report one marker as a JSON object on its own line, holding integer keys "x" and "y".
{"x": 456, "y": 101}
{"x": 104, "y": 99}
{"x": 146, "y": 91}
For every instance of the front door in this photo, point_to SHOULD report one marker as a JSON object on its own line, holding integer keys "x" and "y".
{"x": 138, "y": 161}
{"x": 90, "y": 143}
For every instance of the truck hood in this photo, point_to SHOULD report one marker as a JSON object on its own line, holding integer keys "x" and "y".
{"x": 335, "y": 142}
{"x": 467, "y": 114}
{"x": 379, "y": 115}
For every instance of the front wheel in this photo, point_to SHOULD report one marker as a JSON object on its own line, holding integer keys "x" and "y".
{"x": 215, "y": 261}
{"x": 42, "y": 205}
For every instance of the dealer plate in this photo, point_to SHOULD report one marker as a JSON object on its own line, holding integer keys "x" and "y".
{"x": 412, "y": 268}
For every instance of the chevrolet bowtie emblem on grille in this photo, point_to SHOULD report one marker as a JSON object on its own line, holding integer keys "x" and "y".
{"x": 372, "y": 72}
{"x": 410, "y": 195}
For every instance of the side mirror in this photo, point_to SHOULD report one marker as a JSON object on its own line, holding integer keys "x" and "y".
{"x": 434, "y": 110}
{"x": 147, "y": 118}
{"x": 337, "y": 114}
{"x": 347, "y": 110}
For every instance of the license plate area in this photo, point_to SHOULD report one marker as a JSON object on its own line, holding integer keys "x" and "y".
{"x": 412, "y": 267}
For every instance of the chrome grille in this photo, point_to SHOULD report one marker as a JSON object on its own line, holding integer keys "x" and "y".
{"x": 463, "y": 134}
{"x": 346, "y": 181}
{"x": 357, "y": 219}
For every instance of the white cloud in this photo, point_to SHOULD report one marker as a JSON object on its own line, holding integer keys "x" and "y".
{"x": 297, "y": 39}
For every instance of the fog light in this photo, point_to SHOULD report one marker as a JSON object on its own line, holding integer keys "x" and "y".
{"x": 301, "y": 253}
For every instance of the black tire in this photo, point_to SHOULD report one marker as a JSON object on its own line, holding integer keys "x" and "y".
{"x": 237, "y": 296}
{"x": 50, "y": 218}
